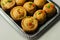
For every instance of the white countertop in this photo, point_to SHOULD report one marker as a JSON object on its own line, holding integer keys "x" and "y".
{"x": 8, "y": 33}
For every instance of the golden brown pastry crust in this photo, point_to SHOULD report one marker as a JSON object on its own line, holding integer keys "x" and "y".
{"x": 20, "y": 2}
{"x": 40, "y": 15}
{"x": 0, "y": 2}
{"x": 30, "y": 7}
{"x": 18, "y": 13}
{"x": 50, "y": 9}
{"x": 40, "y": 3}
{"x": 29, "y": 24}
{"x": 7, "y": 4}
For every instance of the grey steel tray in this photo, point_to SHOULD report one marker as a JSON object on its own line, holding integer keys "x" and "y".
{"x": 41, "y": 30}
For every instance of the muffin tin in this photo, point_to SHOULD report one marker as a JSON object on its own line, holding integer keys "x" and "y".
{"x": 40, "y": 30}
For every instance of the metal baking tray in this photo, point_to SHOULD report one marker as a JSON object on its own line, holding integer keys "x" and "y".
{"x": 41, "y": 30}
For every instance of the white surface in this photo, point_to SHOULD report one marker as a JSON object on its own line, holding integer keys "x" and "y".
{"x": 8, "y": 33}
